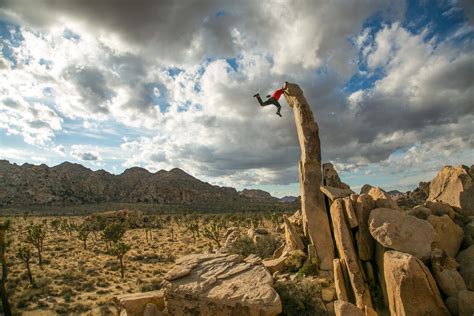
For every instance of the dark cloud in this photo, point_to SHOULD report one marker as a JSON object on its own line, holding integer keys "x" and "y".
{"x": 86, "y": 156}
{"x": 91, "y": 85}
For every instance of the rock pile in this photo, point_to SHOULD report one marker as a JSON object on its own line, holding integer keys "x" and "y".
{"x": 412, "y": 257}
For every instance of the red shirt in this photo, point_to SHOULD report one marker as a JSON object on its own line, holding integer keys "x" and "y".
{"x": 277, "y": 94}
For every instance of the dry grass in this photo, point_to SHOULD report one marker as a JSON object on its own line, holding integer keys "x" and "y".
{"x": 77, "y": 281}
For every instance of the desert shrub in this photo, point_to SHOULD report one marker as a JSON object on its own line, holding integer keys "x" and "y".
{"x": 299, "y": 298}
{"x": 153, "y": 285}
{"x": 61, "y": 309}
{"x": 80, "y": 308}
{"x": 264, "y": 248}
{"x": 243, "y": 246}
{"x": 295, "y": 260}
{"x": 310, "y": 267}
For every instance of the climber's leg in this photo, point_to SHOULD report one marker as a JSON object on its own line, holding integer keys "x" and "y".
{"x": 277, "y": 104}
{"x": 262, "y": 103}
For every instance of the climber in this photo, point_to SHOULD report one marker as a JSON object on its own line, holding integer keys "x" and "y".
{"x": 272, "y": 99}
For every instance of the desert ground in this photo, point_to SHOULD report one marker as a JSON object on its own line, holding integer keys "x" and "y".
{"x": 77, "y": 281}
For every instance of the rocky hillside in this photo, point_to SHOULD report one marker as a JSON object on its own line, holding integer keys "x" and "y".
{"x": 255, "y": 194}
{"x": 73, "y": 184}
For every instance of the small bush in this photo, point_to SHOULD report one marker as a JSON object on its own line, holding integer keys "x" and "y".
{"x": 300, "y": 298}
{"x": 153, "y": 285}
{"x": 310, "y": 267}
{"x": 264, "y": 248}
{"x": 243, "y": 246}
{"x": 295, "y": 260}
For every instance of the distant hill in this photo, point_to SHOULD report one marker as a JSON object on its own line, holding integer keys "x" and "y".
{"x": 289, "y": 199}
{"x": 259, "y": 195}
{"x": 73, "y": 184}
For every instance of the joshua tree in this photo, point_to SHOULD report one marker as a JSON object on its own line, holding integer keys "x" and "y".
{"x": 67, "y": 227}
{"x": 83, "y": 232}
{"x": 3, "y": 247}
{"x": 171, "y": 230}
{"x": 35, "y": 235}
{"x": 24, "y": 254}
{"x": 56, "y": 224}
{"x": 113, "y": 233}
{"x": 149, "y": 224}
{"x": 193, "y": 227}
{"x": 119, "y": 250}
{"x": 212, "y": 231}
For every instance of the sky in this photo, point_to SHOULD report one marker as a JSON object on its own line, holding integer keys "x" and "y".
{"x": 164, "y": 84}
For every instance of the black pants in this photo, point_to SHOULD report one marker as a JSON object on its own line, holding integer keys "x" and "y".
{"x": 270, "y": 100}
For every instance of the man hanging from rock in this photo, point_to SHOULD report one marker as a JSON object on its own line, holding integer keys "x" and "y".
{"x": 272, "y": 99}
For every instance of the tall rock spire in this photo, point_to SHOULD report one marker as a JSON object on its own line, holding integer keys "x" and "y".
{"x": 315, "y": 218}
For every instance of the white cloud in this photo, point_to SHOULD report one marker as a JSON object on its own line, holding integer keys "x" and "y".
{"x": 35, "y": 122}
{"x": 118, "y": 74}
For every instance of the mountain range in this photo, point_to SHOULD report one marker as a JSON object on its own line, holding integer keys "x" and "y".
{"x": 74, "y": 184}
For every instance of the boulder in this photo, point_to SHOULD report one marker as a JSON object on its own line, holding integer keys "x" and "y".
{"x": 315, "y": 219}
{"x": 395, "y": 230}
{"x": 335, "y": 193}
{"x": 466, "y": 303}
{"x": 450, "y": 234}
{"x": 296, "y": 219}
{"x": 440, "y": 208}
{"x": 365, "y": 241}
{"x": 454, "y": 186}
{"x": 328, "y": 294}
{"x": 465, "y": 259}
{"x": 232, "y": 237}
{"x": 420, "y": 211}
{"x": 365, "y": 189}
{"x": 256, "y": 234}
{"x": 340, "y": 283}
{"x": 411, "y": 289}
{"x": 331, "y": 178}
{"x": 292, "y": 239}
{"x": 452, "y": 305}
{"x": 382, "y": 199}
{"x": 274, "y": 265}
{"x": 220, "y": 284}
{"x": 346, "y": 250}
{"x": 350, "y": 212}
{"x": 445, "y": 272}
{"x": 136, "y": 303}
{"x": 279, "y": 251}
{"x": 342, "y": 308}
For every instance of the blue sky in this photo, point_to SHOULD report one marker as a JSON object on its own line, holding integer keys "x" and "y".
{"x": 112, "y": 87}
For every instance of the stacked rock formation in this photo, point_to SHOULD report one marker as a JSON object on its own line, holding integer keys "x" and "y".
{"x": 420, "y": 260}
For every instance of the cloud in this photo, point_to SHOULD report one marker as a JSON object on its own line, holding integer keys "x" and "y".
{"x": 35, "y": 122}
{"x": 176, "y": 78}
{"x": 83, "y": 153}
